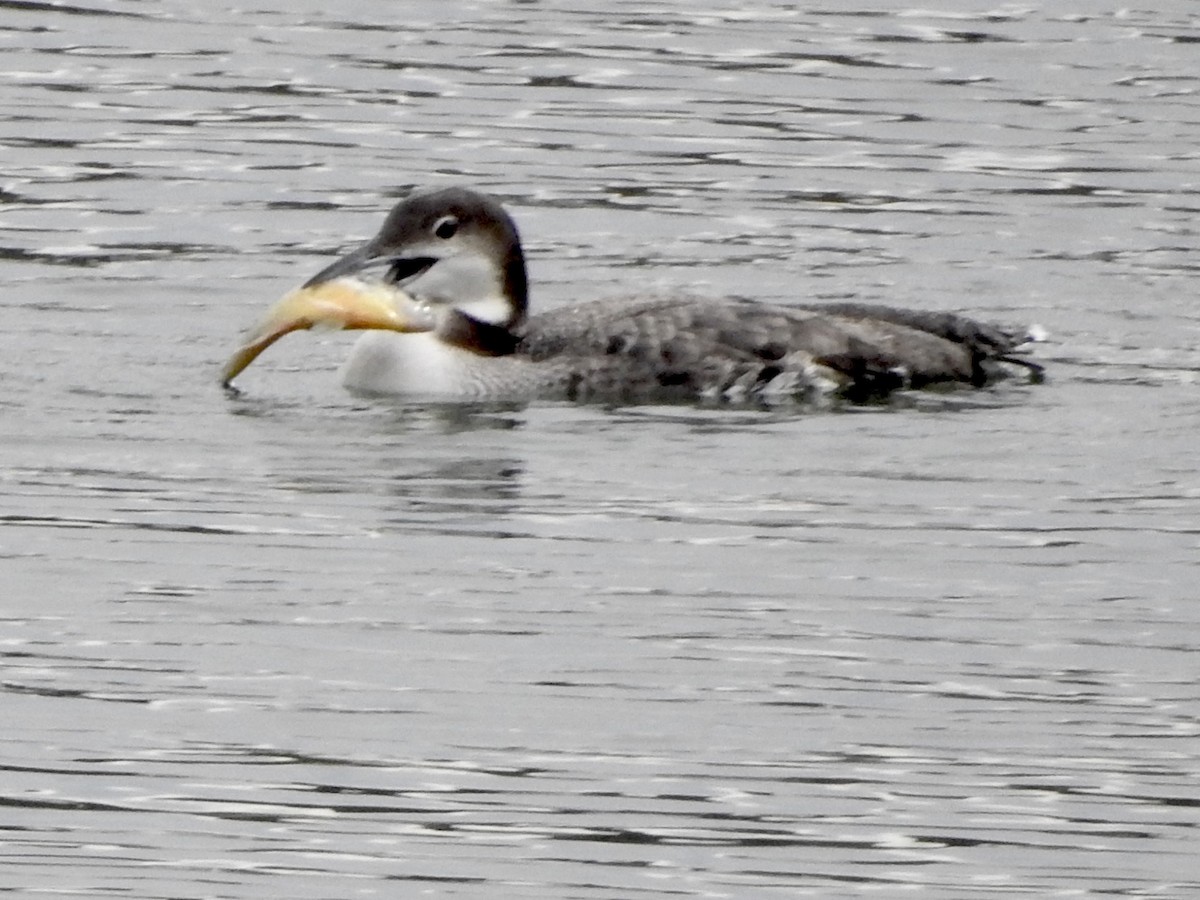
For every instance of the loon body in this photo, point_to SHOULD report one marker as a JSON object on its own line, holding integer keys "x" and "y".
{"x": 443, "y": 292}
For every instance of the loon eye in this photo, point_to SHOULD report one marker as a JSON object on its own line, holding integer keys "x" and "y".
{"x": 445, "y": 227}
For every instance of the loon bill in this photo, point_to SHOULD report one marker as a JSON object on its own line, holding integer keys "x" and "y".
{"x": 443, "y": 295}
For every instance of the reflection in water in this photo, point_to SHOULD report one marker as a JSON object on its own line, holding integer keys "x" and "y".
{"x": 297, "y": 643}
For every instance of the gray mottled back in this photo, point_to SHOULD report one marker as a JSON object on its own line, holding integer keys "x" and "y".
{"x": 737, "y": 349}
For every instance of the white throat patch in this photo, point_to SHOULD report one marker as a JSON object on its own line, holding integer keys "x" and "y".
{"x": 467, "y": 281}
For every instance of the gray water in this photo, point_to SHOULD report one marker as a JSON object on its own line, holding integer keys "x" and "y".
{"x": 300, "y": 644}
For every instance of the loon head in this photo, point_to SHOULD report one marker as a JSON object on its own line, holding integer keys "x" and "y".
{"x": 446, "y": 260}
{"x": 449, "y": 248}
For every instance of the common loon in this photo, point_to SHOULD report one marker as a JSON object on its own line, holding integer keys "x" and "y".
{"x": 447, "y": 272}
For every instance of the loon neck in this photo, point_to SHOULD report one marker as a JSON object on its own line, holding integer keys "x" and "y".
{"x": 515, "y": 283}
{"x": 462, "y": 330}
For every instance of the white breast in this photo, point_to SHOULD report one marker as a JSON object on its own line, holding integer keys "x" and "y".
{"x": 421, "y": 365}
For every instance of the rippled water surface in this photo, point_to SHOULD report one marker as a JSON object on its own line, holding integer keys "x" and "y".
{"x": 302, "y": 644}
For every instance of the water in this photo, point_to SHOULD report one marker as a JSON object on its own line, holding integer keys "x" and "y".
{"x": 301, "y": 644}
